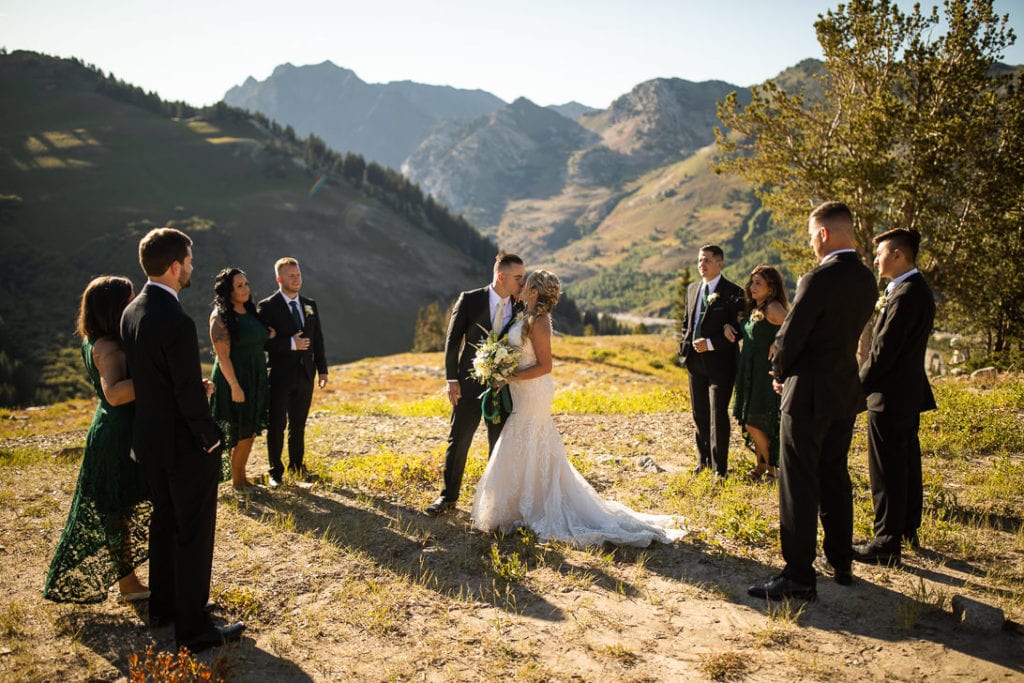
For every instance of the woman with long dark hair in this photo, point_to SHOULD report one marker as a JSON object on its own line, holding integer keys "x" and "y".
{"x": 240, "y": 394}
{"x": 756, "y": 405}
{"x": 105, "y": 537}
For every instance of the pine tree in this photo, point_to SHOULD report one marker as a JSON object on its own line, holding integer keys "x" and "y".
{"x": 430, "y": 329}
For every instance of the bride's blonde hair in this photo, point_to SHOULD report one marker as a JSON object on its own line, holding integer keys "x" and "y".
{"x": 548, "y": 289}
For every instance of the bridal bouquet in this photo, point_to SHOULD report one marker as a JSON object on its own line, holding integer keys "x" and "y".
{"x": 494, "y": 361}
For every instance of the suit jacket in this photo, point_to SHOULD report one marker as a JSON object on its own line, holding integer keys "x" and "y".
{"x": 274, "y": 312}
{"x": 172, "y": 415}
{"x": 816, "y": 347}
{"x": 468, "y": 328}
{"x": 725, "y": 309}
{"x": 893, "y": 375}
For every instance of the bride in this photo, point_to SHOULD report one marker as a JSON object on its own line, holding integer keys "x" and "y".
{"x": 529, "y": 480}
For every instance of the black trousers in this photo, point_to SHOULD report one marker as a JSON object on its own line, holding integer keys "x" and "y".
{"x": 290, "y": 397}
{"x": 181, "y": 533}
{"x": 894, "y": 463}
{"x": 815, "y": 480}
{"x": 709, "y": 401}
{"x": 465, "y": 419}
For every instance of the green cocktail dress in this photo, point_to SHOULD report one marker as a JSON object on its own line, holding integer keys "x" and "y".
{"x": 756, "y": 403}
{"x": 107, "y": 531}
{"x": 244, "y": 420}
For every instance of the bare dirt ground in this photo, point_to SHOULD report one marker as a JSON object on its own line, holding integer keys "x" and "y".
{"x": 345, "y": 581}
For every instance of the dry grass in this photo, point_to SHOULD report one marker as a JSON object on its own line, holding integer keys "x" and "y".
{"x": 348, "y": 581}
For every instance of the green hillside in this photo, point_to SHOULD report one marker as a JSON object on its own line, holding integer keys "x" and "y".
{"x": 88, "y": 165}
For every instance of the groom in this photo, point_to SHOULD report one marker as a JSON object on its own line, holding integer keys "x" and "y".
{"x": 710, "y": 358}
{"x": 476, "y": 313}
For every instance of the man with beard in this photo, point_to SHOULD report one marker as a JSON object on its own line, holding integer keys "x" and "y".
{"x": 177, "y": 442}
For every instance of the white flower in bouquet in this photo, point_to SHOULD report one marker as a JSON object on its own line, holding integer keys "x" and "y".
{"x": 495, "y": 360}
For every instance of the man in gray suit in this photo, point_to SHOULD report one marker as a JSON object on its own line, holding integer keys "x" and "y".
{"x": 815, "y": 369}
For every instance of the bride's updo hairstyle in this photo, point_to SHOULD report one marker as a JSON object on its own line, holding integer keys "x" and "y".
{"x": 548, "y": 289}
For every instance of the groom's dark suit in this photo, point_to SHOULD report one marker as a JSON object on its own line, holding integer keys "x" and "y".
{"x": 712, "y": 373}
{"x": 816, "y": 358}
{"x": 469, "y": 326}
{"x": 897, "y": 389}
{"x": 291, "y": 378}
{"x": 173, "y": 433}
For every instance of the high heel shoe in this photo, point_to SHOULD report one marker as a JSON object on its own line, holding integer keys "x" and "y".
{"x": 759, "y": 470}
{"x": 134, "y": 596}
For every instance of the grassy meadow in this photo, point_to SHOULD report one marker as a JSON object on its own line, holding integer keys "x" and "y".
{"x": 347, "y": 580}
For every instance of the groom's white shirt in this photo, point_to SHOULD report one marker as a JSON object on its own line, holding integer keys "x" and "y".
{"x": 494, "y": 299}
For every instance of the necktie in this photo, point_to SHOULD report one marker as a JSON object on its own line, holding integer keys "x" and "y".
{"x": 702, "y": 304}
{"x": 295, "y": 315}
{"x": 889, "y": 287}
{"x": 499, "y": 318}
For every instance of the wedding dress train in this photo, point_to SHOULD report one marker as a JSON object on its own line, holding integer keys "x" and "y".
{"x": 530, "y": 482}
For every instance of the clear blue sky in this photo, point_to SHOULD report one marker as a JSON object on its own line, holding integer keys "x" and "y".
{"x": 550, "y": 51}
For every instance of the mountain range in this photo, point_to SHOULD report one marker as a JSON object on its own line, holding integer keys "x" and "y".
{"x": 382, "y": 122}
{"x": 612, "y": 199}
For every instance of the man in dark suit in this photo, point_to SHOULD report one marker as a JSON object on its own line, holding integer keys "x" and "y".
{"x": 710, "y": 358}
{"x": 177, "y": 442}
{"x": 815, "y": 369}
{"x": 295, "y": 355}
{"x": 476, "y": 313}
{"x": 897, "y": 389}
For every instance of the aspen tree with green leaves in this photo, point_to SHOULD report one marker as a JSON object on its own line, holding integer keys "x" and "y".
{"x": 917, "y": 125}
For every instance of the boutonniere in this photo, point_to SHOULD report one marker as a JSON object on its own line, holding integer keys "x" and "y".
{"x": 882, "y": 301}
{"x": 713, "y": 298}
{"x": 308, "y": 309}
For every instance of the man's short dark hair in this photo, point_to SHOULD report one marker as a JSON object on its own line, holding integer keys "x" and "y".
{"x": 160, "y": 248}
{"x": 715, "y": 251}
{"x": 829, "y": 211}
{"x": 502, "y": 261}
{"x": 907, "y": 240}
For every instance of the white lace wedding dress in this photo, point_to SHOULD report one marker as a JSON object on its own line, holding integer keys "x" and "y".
{"x": 530, "y": 482}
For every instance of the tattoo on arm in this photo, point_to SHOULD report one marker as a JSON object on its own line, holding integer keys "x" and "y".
{"x": 219, "y": 331}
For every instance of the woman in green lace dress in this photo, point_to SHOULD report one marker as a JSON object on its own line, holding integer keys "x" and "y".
{"x": 105, "y": 537}
{"x": 240, "y": 394}
{"x": 756, "y": 405}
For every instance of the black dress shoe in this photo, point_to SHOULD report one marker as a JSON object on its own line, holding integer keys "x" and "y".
{"x": 872, "y": 553}
{"x": 844, "y": 577}
{"x": 214, "y": 637}
{"x": 159, "y": 620}
{"x": 439, "y": 507}
{"x": 781, "y": 588}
